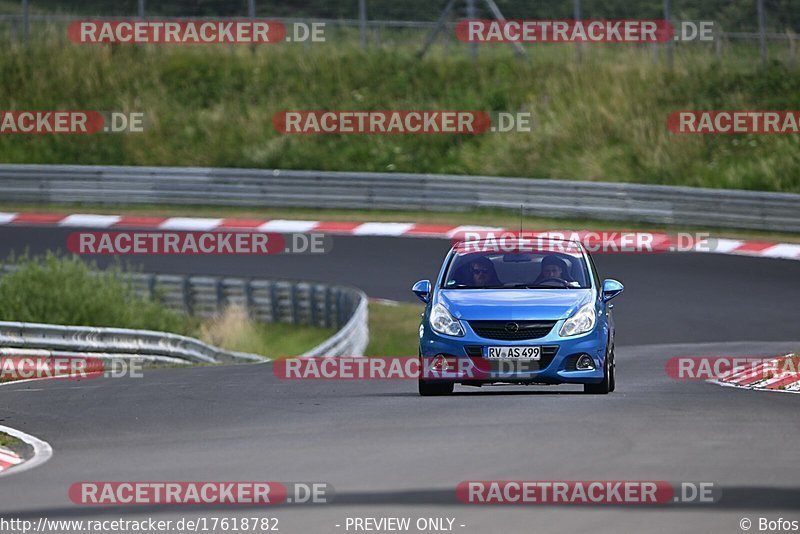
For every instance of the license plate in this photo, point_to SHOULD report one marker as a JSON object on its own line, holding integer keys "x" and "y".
{"x": 514, "y": 353}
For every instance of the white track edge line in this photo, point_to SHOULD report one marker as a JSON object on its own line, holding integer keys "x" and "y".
{"x": 42, "y": 451}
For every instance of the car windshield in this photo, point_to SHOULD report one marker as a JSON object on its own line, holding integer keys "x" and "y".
{"x": 517, "y": 268}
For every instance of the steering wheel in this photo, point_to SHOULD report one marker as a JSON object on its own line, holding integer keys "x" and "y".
{"x": 560, "y": 281}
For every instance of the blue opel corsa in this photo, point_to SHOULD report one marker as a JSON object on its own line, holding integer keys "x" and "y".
{"x": 519, "y": 313}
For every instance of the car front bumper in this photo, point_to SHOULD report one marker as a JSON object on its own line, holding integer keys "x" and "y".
{"x": 467, "y": 362}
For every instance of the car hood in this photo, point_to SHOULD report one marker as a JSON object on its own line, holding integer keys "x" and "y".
{"x": 519, "y": 304}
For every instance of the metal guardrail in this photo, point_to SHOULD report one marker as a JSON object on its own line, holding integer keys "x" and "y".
{"x": 671, "y": 205}
{"x": 111, "y": 342}
{"x": 306, "y": 303}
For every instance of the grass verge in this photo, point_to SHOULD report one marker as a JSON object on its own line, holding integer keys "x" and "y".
{"x": 602, "y": 120}
{"x": 8, "y": 441}
{"x": 394, "y": 329}
{"x": 235, "y": 331}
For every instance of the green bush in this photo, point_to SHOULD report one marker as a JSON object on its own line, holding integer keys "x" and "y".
{"x": 55, "y": 289}
{"x": 65, "y": 290}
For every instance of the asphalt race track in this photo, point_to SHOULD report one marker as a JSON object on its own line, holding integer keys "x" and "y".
{"x": 389, "y": 452}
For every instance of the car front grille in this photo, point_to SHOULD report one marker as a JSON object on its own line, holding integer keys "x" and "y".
{"x": 512, "y": 330}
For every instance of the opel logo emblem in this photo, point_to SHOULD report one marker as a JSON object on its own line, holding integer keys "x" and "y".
{"x": 512, "y": 327}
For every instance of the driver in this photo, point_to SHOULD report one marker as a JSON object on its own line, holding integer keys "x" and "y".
{"x": 553, "y": 267}
{"x": 481, "y": 272}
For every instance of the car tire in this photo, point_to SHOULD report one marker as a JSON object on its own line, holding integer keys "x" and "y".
{"x": 608, "y": 383}
{"x": 435, "y": 389}
{"x": 612, "y": 382}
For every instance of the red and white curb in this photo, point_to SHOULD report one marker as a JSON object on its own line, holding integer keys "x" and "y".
{"x": 8, "y": 458}
{"x": 12, "y": 463}
{"x": 392, "y": 229}
{"x": 785, "y": 379}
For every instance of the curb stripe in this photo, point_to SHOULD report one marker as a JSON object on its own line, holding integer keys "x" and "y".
{"x": 37, "y": 218}
{"x": 430, "y": 230}
{"x": 190, "y": 223}
{"x": 244, "y": 224}
{"x": 8, "y": 458}
{"x": 135, "y": 221}
{"x": 95, "y": 221}
{"x": 753, "y": 377}
{"x": 284, "y": 225}
{"x": 382, "y": 228}
{"x": 661, "y": 240}
{"x": 336, "y": 227}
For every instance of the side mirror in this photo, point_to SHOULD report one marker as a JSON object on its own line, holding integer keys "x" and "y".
{"x": 422, "y": 290}
{"x": 611, "y": 288}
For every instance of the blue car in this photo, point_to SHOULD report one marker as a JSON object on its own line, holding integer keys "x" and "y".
{"x": 520, "y": 314}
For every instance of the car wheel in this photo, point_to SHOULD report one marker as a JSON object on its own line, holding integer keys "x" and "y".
{"x": 428, "y": 388}
{"x": 605, "y": 386}
{"x": 433, "y": 389}
{"x": 612, "y": 382}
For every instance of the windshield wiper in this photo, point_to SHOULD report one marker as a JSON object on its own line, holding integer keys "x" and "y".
{"x": 464, "y": 286}
{"x": 533, "y": 286}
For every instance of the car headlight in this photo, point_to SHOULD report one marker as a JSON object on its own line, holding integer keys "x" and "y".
{"x": 580, "y": 322}
{"x": 444, "y": 323}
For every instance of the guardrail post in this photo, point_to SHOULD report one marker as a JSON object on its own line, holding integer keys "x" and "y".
{"x": 328, "y": 305}
{"x": 295, "y": 307}
{"x": 249, "y": 302}
{"x": 151, "y": 287}
{"x": 186, "y": 293}
{"x": 339, "y": 308}
{"x": 312, "y": 302}
{"x": 273, "y": 301}
{"x": 220, "y": 294}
